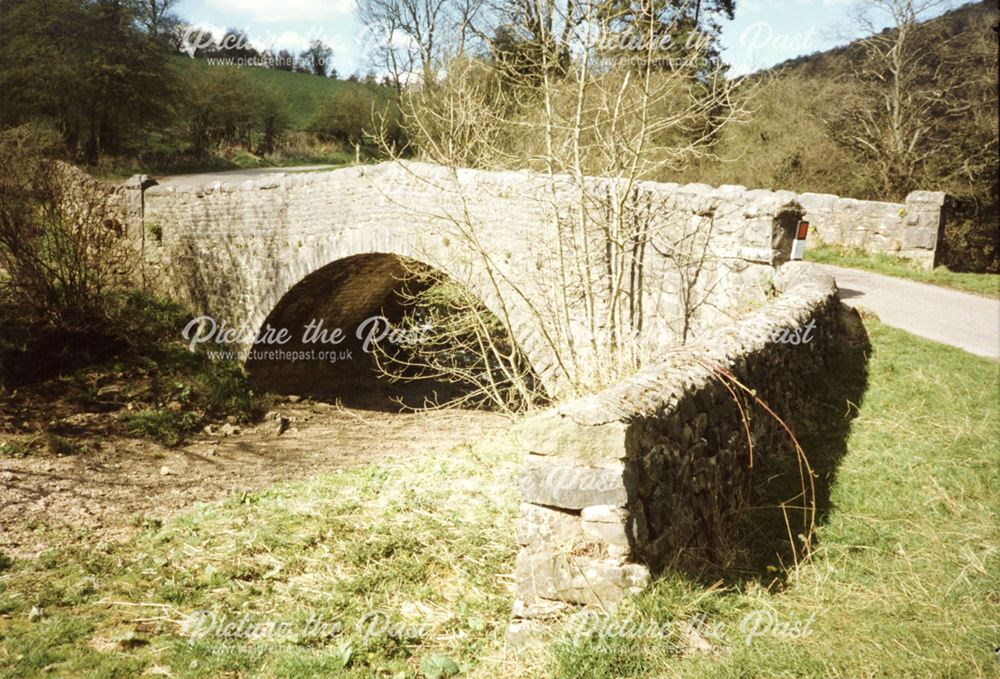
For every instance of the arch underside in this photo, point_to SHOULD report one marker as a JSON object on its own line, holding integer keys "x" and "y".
{"x": 343, "y": 295}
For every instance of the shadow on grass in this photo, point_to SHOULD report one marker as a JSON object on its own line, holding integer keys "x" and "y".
{"x": 823, "y": 427}
{"x": 762, "y": 550}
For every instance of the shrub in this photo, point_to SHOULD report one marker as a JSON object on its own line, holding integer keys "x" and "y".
{"x": 218, "y": 110}
{"x": 61, "y": 445}
{"x": 62, "y": 245}
{"x": 352, "y": 115}
{"x": 224, "y": 107}
{"x": 198, "y": 391}
{"x": 224, "y": 392}
{"x": 67, "y": 300}
{"x": 164, "y": 426}
{"x": 273, "y": 119}
{"x": 64, "y": 261}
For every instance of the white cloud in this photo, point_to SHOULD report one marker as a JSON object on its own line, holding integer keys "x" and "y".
{"x": 216, "y": 30}
{"x": 290, "y": 40}
{"x": 273, "y": 11}
{"x": 193, "y": 42}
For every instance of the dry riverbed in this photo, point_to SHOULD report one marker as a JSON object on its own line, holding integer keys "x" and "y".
{"x": 119, "y": 485}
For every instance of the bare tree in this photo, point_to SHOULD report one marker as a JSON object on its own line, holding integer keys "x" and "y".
{"x": 389, "y": 47}
{"x": 901, "y": 92}
{"x": 408, "y": 35}
{"x": 466, "y": 349}
{"x": 64, "y": 254}
{"x": 593, "y": 127}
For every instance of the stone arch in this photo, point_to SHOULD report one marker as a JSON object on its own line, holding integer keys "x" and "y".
{"x": 341, "y": 298}
{"x": 234, "y": 250}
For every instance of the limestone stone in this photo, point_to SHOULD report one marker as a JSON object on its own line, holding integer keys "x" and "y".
{"x": 919, "y": 237}
{"x": 553, "y": 433}
{"x": 603, "y": 514}
{"x": 577, "y": 579}
{"x": 538, "y": 609}
{"x": 537, "y": 525}
{"x": 606, "y": 533}
{"x": 560, "y": 483}
{"x": 926, "y": 198}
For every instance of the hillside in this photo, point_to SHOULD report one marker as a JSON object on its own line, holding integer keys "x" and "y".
{"x": 837, "y": 61}
{"x": 830, "y": 123}
{"x": 304, "y": 92}
{"x": 217, "y": 122}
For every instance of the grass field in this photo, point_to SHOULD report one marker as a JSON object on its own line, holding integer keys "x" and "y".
{"x": 986, "y": 284}
{"x": 303, "y": 91}
{"x": 403, "y": 569}
{"x": 305, "y": 95}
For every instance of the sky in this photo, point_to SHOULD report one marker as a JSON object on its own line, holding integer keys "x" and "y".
{"x": 763, "y": 33}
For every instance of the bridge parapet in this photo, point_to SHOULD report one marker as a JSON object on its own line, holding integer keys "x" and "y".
{"x": 910, "y": 230}
{"x": 652, "y": 470}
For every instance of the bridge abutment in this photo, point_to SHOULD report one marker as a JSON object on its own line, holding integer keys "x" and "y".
{"x": 655, "y": 470}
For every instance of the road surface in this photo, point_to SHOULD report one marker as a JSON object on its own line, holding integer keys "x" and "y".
{"x": 960, "y": 319}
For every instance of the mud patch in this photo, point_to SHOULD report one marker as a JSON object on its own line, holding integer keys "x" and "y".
{"x": 120, "y": 485}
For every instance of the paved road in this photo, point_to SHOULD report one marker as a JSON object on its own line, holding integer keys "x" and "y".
{"x": 962, "y": 320}
{"x": 203, "y": 178}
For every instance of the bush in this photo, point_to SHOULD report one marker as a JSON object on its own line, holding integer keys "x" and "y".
{"x": 62, "y": 246}
{"x": 145, "y": 319}
{"x": 971, "y": 240}
{"x": 786, "y": 143}
{"x": 273, "y": 120}
{"x": 218, "y": 110}
{"x": 354, "y": 114}
{"x": 174, "y": 391}
{"x": 164, "y": 426}
{"x": 225, "y": 107}
{"x": 64, "y": 261}
{"x": 196, "y": 391}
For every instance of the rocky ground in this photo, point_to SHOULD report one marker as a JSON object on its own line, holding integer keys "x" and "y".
{"x": 114, "y": 486}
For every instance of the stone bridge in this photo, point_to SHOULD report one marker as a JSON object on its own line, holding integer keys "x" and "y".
{"x": 289, "y": 248}
{"x": 616, "y": 483}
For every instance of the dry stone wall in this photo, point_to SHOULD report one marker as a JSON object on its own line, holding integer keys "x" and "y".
{"x": 653, "y": 469}
{"x": 910, "y": 230}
